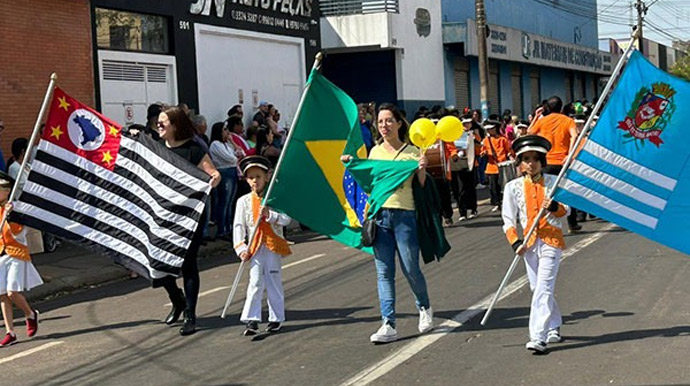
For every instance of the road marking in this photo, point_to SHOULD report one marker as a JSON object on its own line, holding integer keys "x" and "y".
{"x": 304, "y": 260}
{"x": 29, "y": 352}
{"x": 406, "y": 352}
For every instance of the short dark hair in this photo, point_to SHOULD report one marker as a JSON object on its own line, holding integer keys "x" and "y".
{"x": 18, "y": 146}
{"x": 234, "y": 110}
{"x": 234, "y": 121}
{"x": 404, "y": 127}
{"x": 184, "y": 129}
{"x": 553, "y": 105}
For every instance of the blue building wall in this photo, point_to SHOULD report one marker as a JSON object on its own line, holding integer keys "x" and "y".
{"x": 552, "y": 83}
{"x": 535, "y": 17}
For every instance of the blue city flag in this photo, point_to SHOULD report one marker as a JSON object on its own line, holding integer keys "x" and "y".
{"x": 633, "y": 170}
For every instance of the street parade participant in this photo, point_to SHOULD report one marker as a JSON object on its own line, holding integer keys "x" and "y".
{"x": 177, "y": 134}
{"x": 522, "y": 200}
{"x": 396, "y": 229}
{"x": 265, "y": 250}
{"x": 17, "y": 273}
{"x": 497, "y": 148}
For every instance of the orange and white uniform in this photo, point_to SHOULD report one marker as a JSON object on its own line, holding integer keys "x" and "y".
{"x": 522, "y": 201}
{"x": 267, "y": 252}
{"x": 501, "y": 145}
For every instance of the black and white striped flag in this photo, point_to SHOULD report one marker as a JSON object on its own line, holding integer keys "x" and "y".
{"x": 130, "y": 198}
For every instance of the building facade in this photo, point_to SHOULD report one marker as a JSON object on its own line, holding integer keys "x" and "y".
{"x": 385, "y": 50}
{"x": 209, "y": 54}
{"x": 536, "y": 49}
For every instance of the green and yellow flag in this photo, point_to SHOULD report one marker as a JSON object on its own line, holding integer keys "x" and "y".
{"x": 312, "y": 185}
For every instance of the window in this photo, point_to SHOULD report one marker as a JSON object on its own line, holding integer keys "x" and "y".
{"x": 127, "y": 31}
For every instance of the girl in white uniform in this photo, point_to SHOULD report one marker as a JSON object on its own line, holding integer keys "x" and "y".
{"x": 522, "y": 200}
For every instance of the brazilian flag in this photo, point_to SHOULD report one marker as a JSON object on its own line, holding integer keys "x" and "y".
{"x": 312, "y": 185}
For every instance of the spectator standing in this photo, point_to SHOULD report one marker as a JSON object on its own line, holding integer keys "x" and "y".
{"x": 19, "y": 146}
{"x": 151, "y": 128}
{"x": 236, "y": 110}
{"x": 261, "y": 116}
{"x": 265, "y": 146}
{"x": 497, "y": 149}
{"x": 463, "y": 182}
{"x": 224, "y": 155}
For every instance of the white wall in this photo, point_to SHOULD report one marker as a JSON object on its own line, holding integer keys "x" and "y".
{"x": 420, "y": 59}
{"x": 355, "y": 31}
{"x": 230, "y": 60}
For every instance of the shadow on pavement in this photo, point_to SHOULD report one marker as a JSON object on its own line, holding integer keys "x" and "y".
{"x": 623, "y": 336}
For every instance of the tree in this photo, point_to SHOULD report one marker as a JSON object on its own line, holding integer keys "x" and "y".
{"x": 682, "y": 67}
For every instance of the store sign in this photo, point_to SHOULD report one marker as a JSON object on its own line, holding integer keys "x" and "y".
{"x": 518, "y": 46}
{"x": 281, "y": 14}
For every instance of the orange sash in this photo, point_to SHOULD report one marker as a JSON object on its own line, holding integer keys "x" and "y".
{"x": 265, "y": 234}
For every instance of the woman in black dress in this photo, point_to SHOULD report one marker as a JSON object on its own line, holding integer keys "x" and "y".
{"x": 177, "y": 134}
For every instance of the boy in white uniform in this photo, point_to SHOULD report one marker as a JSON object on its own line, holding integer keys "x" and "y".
{"x": 522, "y": 199}
{"x": 267, "y": 250}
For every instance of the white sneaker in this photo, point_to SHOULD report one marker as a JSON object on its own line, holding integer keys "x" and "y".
{"x": 472, "y": 215}
{"x": 426, "y": 319}
{"x": 462, "y": 218}
{"x": 481, "y": 186}
{"x": 553, "y": 336}
{"x": 385, "y": 334}
{"x": 495, "y": 208}
{"x": 536, "y": 346}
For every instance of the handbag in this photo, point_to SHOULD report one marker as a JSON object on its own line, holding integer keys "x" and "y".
{"x": 369, "y": 224}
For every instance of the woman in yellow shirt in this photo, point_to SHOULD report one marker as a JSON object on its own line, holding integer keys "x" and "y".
{"x": 396, "y": 228}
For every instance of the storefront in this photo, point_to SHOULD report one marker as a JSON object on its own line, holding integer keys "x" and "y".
{"x": 524, "y": 68}
{"x": 209, "y": 54}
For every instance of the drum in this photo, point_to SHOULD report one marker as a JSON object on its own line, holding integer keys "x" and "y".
{"x": 436, "y": 160}
{"x": 506, "y": 172}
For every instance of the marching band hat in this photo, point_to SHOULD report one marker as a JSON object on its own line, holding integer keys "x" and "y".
{"x": 531, "y": 143}
{"x": 467, "y": 118}
{"x": 6, "y": 181}
{"x": 255, "y": 161}
{"x": 522, "y": 123}
{"x": 491, "y": 124}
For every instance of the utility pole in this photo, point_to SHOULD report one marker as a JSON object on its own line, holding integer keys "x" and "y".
{"x": 483, "y": 58}
{"x": 641, "y": 11}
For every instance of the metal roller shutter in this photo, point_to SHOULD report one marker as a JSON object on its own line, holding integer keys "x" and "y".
{"x": 494, "y": 98}
{"x": 578, "y": 87}
{"x": 461, "y": 78}
{"x": 568, "y": 87}
{"x": 535, "y": 95}
{"x": 516, "y": 89}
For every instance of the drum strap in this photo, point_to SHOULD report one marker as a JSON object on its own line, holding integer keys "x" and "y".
{"x": 493, "y": 151}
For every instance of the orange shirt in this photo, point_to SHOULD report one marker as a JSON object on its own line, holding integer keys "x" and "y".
{"x": 13, "y": 240}
{"x": 502, "y": 147}
{"x": 556, "y": 128}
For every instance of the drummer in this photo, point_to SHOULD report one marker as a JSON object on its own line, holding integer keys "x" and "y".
{"x": 497, "y": 148}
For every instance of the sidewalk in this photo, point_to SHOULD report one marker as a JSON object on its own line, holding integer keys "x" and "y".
{"x": 71, "y": 267}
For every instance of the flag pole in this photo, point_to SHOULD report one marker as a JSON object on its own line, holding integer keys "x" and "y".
{"x": 614, "y": 75}
{"x": 236, "y": 282}
{"x": 30, "y": 146}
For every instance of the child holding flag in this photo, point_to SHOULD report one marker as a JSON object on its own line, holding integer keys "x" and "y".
{"x": 265, "y": 251}
{"x": 17, "y": 273}
{"x": 522, "y": 200}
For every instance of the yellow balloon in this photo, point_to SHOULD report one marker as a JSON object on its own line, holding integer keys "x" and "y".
{"x": 449, "y": 128}
{"x": 423, "y": 133}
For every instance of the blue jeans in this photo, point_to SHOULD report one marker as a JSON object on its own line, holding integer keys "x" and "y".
{"x": 396, "y": 230}
{"x": 226, "y": 192}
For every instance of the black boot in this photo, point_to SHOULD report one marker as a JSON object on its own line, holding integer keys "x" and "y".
{"x": 189, "y": 324}
{"x": 178, "y": 306}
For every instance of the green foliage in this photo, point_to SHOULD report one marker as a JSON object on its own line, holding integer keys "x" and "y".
{"x": 682, "y": 68}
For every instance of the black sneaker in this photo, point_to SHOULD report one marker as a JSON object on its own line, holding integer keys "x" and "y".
{"x": 274, "y": 326}
{"x": 252, "y": 328}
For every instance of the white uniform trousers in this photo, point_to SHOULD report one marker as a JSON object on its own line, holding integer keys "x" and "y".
{"x": 542, "y": 261}
{"x": 265, "y": 272}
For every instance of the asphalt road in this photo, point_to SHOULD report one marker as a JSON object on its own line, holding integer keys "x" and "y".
{"x": 623, "y": 299}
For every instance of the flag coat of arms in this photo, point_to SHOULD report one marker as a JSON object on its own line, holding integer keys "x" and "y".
{"x": 634, "y": 168}
{"x": 129, "y": 198}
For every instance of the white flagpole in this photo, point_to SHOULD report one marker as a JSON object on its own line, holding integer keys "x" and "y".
{"x": 566, "y": 164}
{"x": 236, "y": 282}
{"x": 30, "y": 146}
